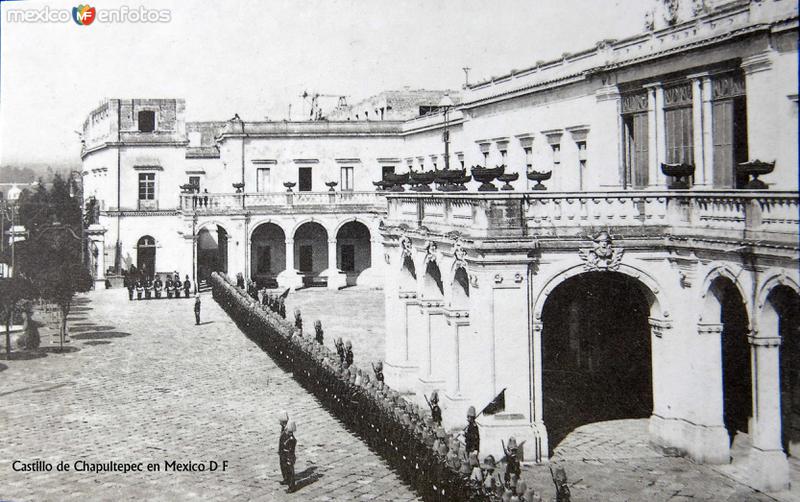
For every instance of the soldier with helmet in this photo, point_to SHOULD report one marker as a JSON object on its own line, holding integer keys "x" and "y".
{"x": 288, "y": 459}
{"x": 472, "y": 436}
{"x": 283, "y": 420}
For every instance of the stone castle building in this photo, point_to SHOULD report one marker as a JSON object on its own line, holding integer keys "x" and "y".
{"x": 618, "y": 292}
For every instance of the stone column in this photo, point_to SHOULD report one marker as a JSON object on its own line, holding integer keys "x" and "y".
{"x": 96, "y": 235}
{"x": 289, "y": 278}
{"x": 698, "y": 140}
{"x": 708, "y": 133}
{"x": 336, "y": 278}
{"x": 655, "y": 124}
{"x": 769, "y": 468}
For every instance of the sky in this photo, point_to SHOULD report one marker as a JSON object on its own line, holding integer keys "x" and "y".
{"x": 254, "y": 58}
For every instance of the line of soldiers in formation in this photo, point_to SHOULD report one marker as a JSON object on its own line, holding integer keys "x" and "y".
{"x": 437, "y": 463}
{"x": 147, "y": 287}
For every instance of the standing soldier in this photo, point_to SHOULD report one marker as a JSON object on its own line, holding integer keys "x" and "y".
{"x": 187, "y": 287}
{"x": 157, "y": 286}
{"x": 433, "y": 404}
{"x": 139, "y": 289}
{"x": 197, "y": 309}
{"x": 168, "y": 286}
{"x": 319, "y": 336}
{"x": 298, "y": 320}
{"x": 130, "y": 284}
{"x": 377, "y": 368}
{"x": 148, "y": 288}
{"x": 288, "y": 451}
{"x": 348, "y": 353}
{"x": 283, "y": 419}
{"x": 339, "y": 349}
{"x": 472, "y": 436}
{"x": 512, "y": 462}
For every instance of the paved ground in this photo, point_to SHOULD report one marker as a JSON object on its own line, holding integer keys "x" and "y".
{"x": 354, "y": 314}
{"x": 146, "y": 385}
{"x": 141, "y": 389}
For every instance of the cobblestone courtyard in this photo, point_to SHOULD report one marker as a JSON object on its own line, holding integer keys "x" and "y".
{"x": 147, "y": 385}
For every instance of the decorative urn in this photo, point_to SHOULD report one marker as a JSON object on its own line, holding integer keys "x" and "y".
{"x": 486, "y": 176}
{"x": 681, "y": 172}
{"x": 331, "y": 185}
{"x": 755, "y": 168}
{"x": 538, "y": 177}
{"x": 289, "y": 185}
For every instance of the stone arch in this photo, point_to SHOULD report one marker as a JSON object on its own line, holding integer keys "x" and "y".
{"x": 588, "y": 366}
{"x": 311, "y": 219}
{"x": 255, "y": 224}
{"x": 353, "y": 249}
{"x": 311, "y": 248}
{"x": 207, "y": 224}
{"x": 775, "y": 278}
{"x": 350, "y": 219}
{"x": 146, "y": 255}
{"x": 267, "y": 243}
{"x": 211, "y": 248}
{"x": 709, "y": 312}
{"x": 651, "y": 288}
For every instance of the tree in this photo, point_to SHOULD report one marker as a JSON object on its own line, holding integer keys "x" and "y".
{"x": 60, "y": 285}
{"x": 51, "y": 256}
{"x": 12, "y": 291}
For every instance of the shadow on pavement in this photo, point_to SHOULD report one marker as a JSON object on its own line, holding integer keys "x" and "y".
{"x": 96, "y": 342}
{"x": 99, "y": 335}
{"x": 79, "y": 329}
{"x": 22, "y": 355}
{"x": 3, "y": 367}
{"x": 306, "y": 477}
{"x": 58, "y": 350}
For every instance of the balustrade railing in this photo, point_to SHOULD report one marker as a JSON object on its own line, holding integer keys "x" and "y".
{"x": 749, "y": 214}
{"x": 226, "y": 202}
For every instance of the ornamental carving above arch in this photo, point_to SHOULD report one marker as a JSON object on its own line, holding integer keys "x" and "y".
{"x": 603, "y": 256}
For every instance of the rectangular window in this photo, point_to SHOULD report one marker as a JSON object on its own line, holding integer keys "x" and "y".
{"x": 304, "y": 179}
{"x": 262, "y": 179}
{"x": 556, "y": 153}
{"x": 346, "y": 183}
{"x": 195, "y": 181}
{"x": 581, "y": 163}
{"x": 729, "y": 129}
{"x": 147, "y": 121}
{"x": 147, "y": 186}
{"x": 678, "y": 124}
{"x": 637, "y": 158}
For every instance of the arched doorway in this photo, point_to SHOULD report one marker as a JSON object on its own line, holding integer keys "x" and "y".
{"x": 353, "y": 250}
{"x": 596, "y": 352}
{"x": 782, "y": 314}
{"x": 212, "y": 252}
{"x": 267, "y": 254}
{"x": 737, "y": 393}
{"x": 311, "y": 252}
{"x": 146, "y": 256}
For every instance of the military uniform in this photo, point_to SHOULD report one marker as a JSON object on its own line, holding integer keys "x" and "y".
{"x": 139, "y": 290}
{"x": 168, "y": 287}
{"x": 157, "y": 287}
{"x": 472, "y": 436}
{"x": 187, "y": 287}
{"x": 197, "y": 309}
{"x": 288, "y": 458}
